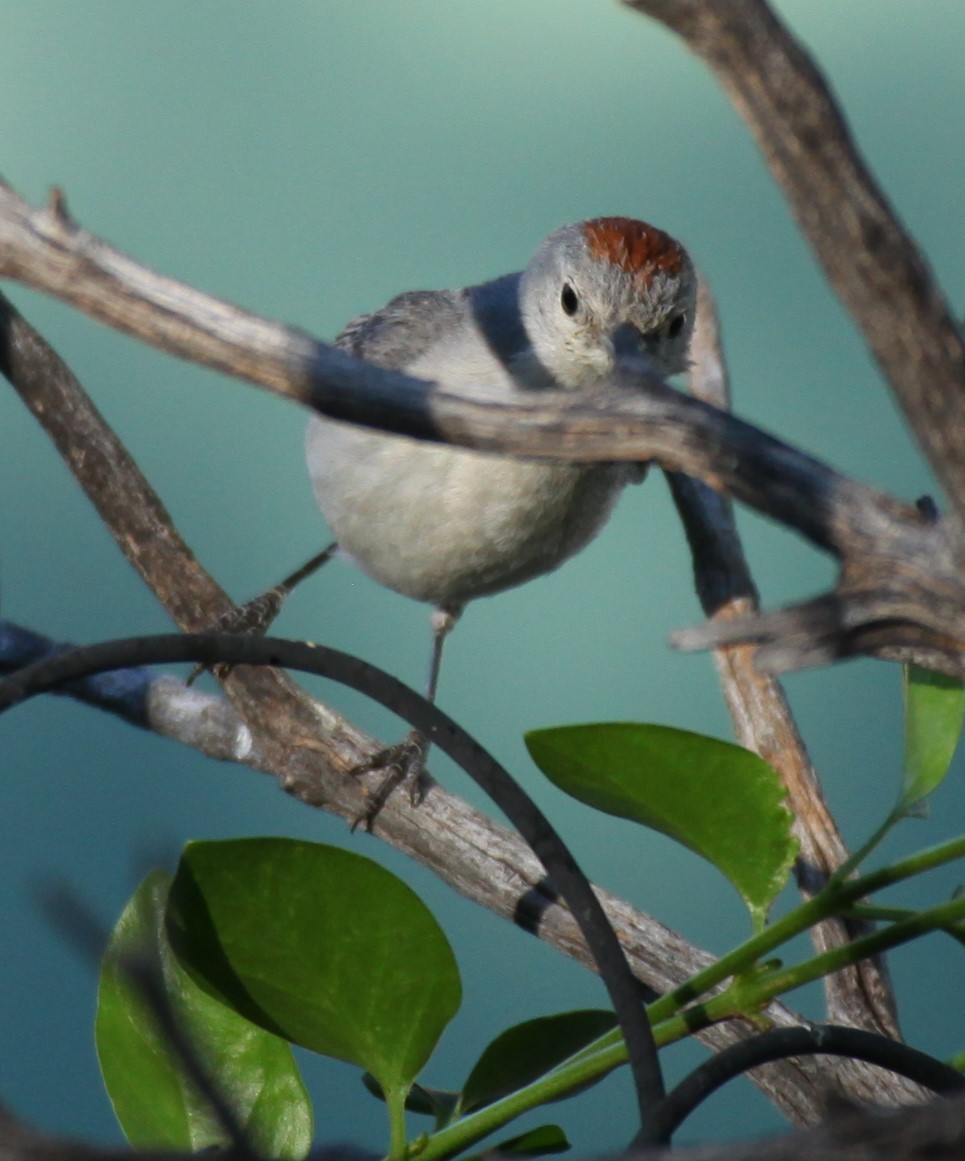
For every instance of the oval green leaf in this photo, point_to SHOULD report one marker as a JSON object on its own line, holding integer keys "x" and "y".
{"x": 319, "y": 945}
{"x": 934, "y": 715}
{"x": 719, "y": 799}
{"x": 528, "y": 1051}
{"x": 156, "y": 1103}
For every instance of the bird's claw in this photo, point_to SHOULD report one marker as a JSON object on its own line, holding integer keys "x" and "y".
{"x": 254, "y": 617}
{"x": 403, "y": 762}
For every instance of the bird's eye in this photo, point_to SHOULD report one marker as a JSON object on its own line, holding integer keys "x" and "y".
{"x": 568, "y": 300}
{"x": 676, "y": 325}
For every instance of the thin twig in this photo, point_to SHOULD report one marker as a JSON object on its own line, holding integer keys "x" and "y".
{"x": 74, "y": 920}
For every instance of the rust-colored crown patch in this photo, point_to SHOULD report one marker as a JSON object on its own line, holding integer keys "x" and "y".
{"x": 635, "y": 247}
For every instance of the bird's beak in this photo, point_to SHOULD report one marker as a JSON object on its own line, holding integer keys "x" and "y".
{"x": 629, "y": 343}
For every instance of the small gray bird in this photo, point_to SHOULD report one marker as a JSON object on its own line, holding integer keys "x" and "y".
{"x": 446, "y": 525}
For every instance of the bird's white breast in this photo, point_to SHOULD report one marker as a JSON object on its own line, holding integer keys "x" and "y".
{"x": 446, "y": 525}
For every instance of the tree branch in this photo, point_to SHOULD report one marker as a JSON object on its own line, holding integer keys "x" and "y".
{"x": 491, "y": 866}
{"x": 305, "y": 745}
{"x": 901, "y": 571}
{"x": 165, "y": 705}
{"x": 860, "y": 996}
{"x": 869, "y": 258}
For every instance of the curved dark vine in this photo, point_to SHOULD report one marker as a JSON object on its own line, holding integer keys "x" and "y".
{"x": 818, "y": 1039}
{"x": 213, "y": 648}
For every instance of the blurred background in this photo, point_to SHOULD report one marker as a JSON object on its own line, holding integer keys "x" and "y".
{"x": 308, "y": 161}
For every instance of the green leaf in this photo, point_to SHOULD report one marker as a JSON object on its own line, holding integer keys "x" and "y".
{"x": 934, "y": 715}
{"x": 319, "y": 945}
{"x": 537, "y": 1142}
{"x": 155, "y": 1102}
{"x": 719, "y": 799}
{"x": 528, "y": 1051}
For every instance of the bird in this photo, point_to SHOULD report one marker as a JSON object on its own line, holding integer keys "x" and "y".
{"x": 445, "y": 525}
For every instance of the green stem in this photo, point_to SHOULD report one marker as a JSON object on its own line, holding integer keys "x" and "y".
{"x": 395, "y": 1103}
{"x": 472, "y": 1128}
{"x": 746, "y": 994}
{"x": 920, "y": 923}
{"x": 561, "y": 1082}
{"x": 854, "y": 861}
{"x": 829, "y": 902}
{"x": 926, "y": 860}
{"x": 875, "y": 914}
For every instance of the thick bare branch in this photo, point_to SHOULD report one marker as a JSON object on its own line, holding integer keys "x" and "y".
{"x": 902, "y": 574}
{"x": 868, "y": 256}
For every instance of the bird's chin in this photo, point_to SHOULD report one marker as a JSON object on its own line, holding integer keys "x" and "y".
{"x": 586, "y": 369}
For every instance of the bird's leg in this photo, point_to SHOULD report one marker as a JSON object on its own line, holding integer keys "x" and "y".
{"x": 256, "y": 616}
{"x": 406, "y": 760}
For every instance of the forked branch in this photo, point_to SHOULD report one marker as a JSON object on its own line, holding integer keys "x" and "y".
{"x": 901, "y": 581}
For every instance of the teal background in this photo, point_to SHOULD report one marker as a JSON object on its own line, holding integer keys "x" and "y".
{"x": 309, "y": 160}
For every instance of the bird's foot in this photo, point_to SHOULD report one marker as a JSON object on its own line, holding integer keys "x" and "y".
{"x": 254, "y": 617}
{"x": 403, "y": 762}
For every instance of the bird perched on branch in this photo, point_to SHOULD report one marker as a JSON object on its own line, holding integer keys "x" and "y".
{"x": 446, "y": 525}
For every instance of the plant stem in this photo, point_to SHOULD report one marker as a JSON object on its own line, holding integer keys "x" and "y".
{"x": 395, "y": 1103}
{"x": 855, "y": 860}
{"x": 829, "y": 902}
{"x": 919, "y": 923}
{"x": 746, "y": 994}
{"x": 558, "y": 1083}
{"x": 877, "y": 914}
{"x": 915, "y": 864}
{"x": 562, "y": 1080}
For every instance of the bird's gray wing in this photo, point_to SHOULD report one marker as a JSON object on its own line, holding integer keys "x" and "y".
{"x": 405, "y": 328}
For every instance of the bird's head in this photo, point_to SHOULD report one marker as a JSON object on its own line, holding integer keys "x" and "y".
{"x": 601, "y": 287}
